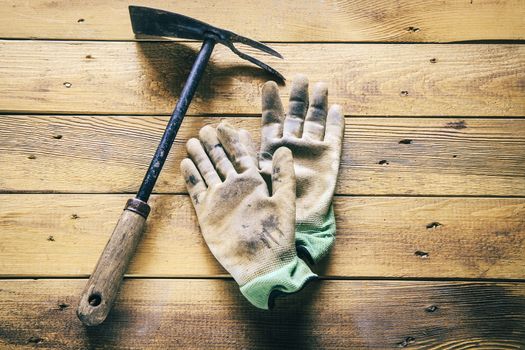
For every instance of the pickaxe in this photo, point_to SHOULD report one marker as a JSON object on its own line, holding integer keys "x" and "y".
{"x": 102, "y": 287}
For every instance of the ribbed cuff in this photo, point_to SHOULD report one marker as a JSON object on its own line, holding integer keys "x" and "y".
{"x": 314, "y": 240}
{"x": 288, "y": 279}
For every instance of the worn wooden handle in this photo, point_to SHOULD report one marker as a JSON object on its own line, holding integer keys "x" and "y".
{"x": 103, "y": 285}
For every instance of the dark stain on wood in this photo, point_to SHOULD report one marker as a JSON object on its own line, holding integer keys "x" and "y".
{"x": 507, "y": 303}
{"x": 457, "y": 125}
{"x": 421, "y": 254}
{"x": 433, "y": 224}
{"x": 431, "y": 308}
{"x": 35, "y": 340}
{"x": 406, "y": 342}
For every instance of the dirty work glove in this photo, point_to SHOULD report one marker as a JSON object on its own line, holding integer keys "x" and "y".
{"x": 249, "y": 230}
{"x": 314, "y": 134}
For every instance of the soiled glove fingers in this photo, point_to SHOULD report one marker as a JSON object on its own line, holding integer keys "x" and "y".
{"x": 215, "y": 151}
{"x": 205, "y": 166}
{"x": 246, "y": 139}
{"x": 314, "y": 134}
{"x": 297, "y": 107}
{"x": 238, "y": 153}
{"x": 272, "y": 111}
{"x": 314, "y": 123}
{"x": 250, "y": 231}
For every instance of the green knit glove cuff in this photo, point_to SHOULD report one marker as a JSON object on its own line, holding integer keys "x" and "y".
{"x": 316, "y": 239}
{"x": 290, "y": 278}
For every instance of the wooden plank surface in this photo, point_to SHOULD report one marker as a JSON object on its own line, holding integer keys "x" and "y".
{"x": 424, "y": 156}
{"x": 191, "y": 314}
{"x": 350, "y": 20}
{"x": 432, "y": 181}
{"x": 63, "y": 235}
{"x": 367, "y": 79}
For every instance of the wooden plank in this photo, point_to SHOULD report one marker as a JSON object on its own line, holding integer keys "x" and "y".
{"x": 63, "y": 235}
{"x": 350, "y": 20}
{"x": 191, "y": 314}
{"x": 431, "y": 156}
{"x": 367, "y": 79}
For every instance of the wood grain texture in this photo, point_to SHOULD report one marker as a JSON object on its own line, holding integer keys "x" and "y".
{"x": 103, "y": 285}
{"x": 424, "y": 156}
{"x": 63, "y": 235}
{"x": 191, "y": 314}
{"x": 367, "y": 79}
{"x": 350, "y": 20}
{"x": 395, "y": 152}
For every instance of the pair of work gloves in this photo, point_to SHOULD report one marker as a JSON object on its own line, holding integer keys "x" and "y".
{"x": 262, "y": 213}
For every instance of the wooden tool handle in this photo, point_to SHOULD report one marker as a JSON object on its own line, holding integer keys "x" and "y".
{"x": 103, "y": 285}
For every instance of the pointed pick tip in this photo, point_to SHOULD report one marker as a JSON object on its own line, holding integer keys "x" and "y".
{"x": 272, "y": 52}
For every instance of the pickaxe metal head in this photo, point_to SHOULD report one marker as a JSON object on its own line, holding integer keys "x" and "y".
{"x": 155, "y": 22}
